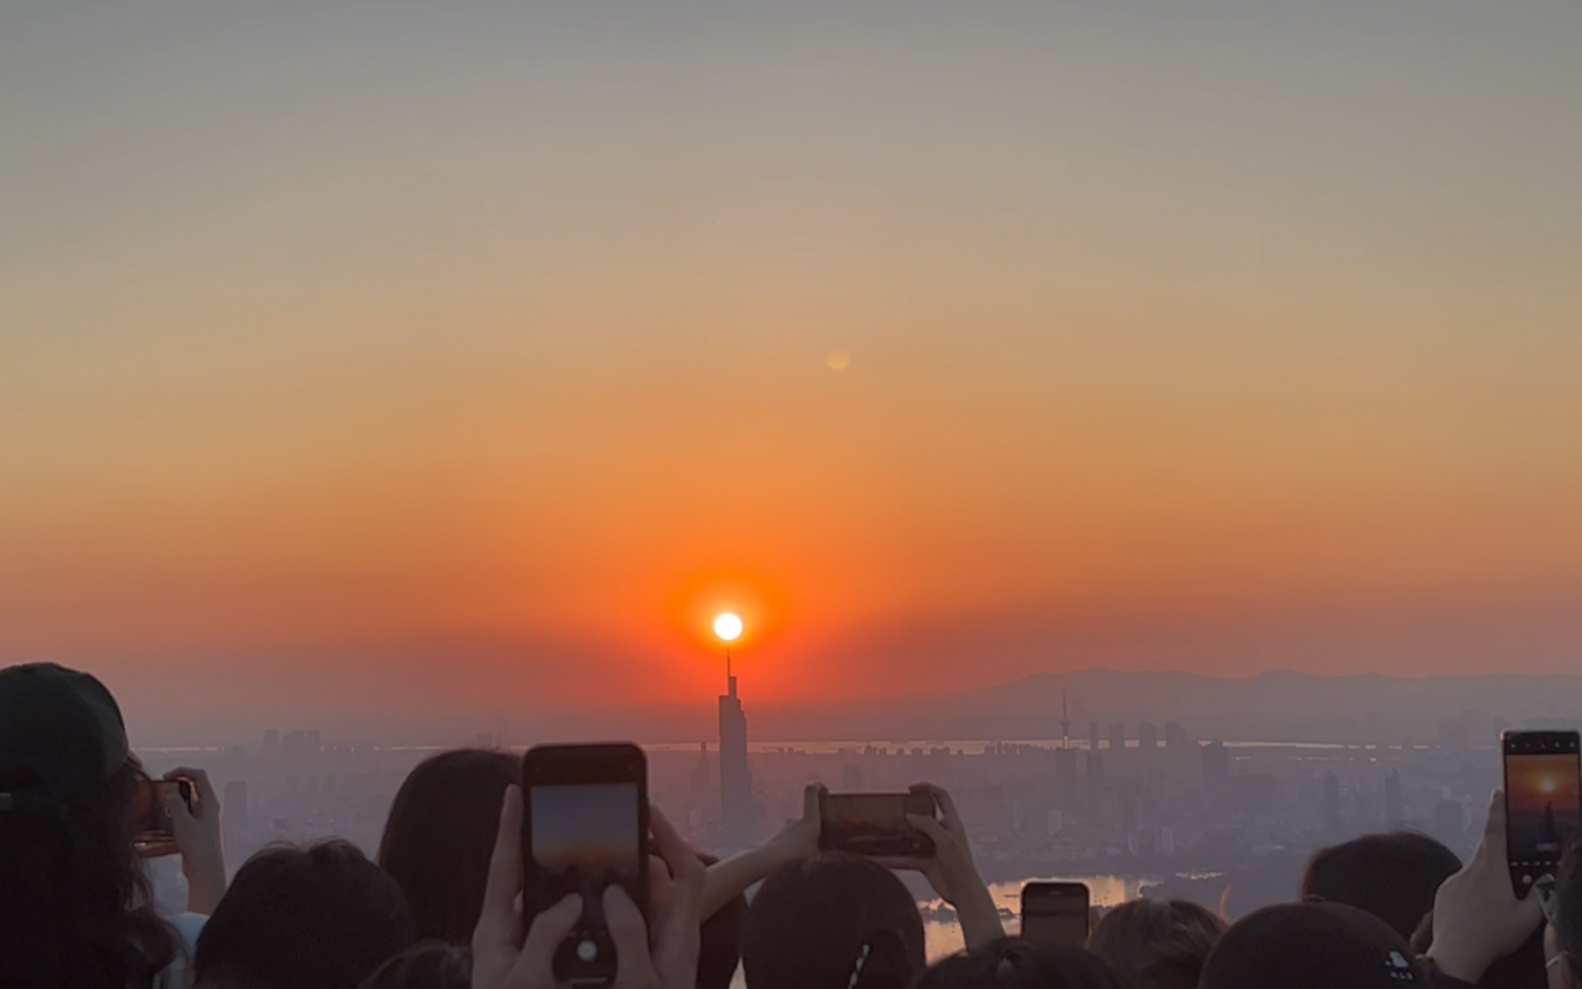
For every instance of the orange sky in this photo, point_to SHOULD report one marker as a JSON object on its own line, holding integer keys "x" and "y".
{"x": 488, "y": 357}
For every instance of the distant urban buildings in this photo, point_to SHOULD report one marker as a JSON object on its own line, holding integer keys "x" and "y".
{"x": 1118, "y": 735}
{"x": 1175, "y": 736}
{"x": 1147, "y": 736}
{"x": 1216, "y": 767}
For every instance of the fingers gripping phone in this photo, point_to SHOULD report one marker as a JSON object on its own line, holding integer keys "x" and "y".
{"x": 1543, "y": 801}
{"x": 153, "y": 832}
{"x": 584, "y": 830}
{"x": 1055, "y": 913}
{"x": 875, "y": 824}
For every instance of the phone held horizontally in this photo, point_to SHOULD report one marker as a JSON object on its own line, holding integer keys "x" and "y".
{"x": 1055, "y": 913}
{"x": 875, "y": 824}
{"x": 584, "y": 830}
{"x": 153, "y": 832}
{"x": 1543, "y": 801}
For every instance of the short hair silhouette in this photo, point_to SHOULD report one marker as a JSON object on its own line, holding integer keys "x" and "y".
{"x": 440, "y": 834}
{"x": 425, "y": 965}
{"x": 836, "y": 921}
{"x": 1393, "y": 876}
{"x": 319, "y": 917}
{"x": 1312, "y": 946}
{"x": 1014, "y": 964}
{"x": 1157, "y": 944}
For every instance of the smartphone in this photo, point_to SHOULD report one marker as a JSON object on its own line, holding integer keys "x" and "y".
{"x": 1543, "y": 801}
{"x": 585, "y": 829}
{"x": 153, "y": 832}
{"x": 875, "y": 824}
{"x": 1055, "y": 913}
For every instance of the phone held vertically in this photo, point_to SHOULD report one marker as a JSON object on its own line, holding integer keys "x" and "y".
{"x": 875, "y": 824}
{"x": 1543, "y": 801}
{"x": 1055, "y": 913}
{"x": 585, "y": 829}
{"x": 153, "y": 832}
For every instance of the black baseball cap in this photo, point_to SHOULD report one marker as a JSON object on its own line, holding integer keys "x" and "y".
{"x": 60, "y": 726}
{"x": 1312, "y": 946}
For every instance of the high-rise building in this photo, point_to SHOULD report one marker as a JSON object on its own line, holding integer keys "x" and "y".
{"x": 1093, "y": 736}
{"x": 1065, "y": 722}
{"x": 1147, "y": 736}
{"x": 1175, "y": 736}
{"x": 1095, "y": 771}
{"x": 291, "y": 745}
{"x": 313, "y": 740}
{"x": 1330, "y": 810}
{"x": 1216, "y": 766}
{"x": 272, "y": 741}
{"x": 851, "y": 777}
{"x": 1118, "y": 735}
{"x": 736, "y": 778}
{"x": 235, "y": 829}
{"x": 1394, "y": 804}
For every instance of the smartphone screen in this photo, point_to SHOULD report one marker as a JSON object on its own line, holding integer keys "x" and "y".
{"x": 1543, "y": 801}
{"x": 875, "y": 824}
{"x": 153, "y": 832}
{"x": 1055, "y": 913}
{"x": 586, "y": 829}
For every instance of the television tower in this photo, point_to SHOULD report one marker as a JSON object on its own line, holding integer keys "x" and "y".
{"x": 1065, "y": 722}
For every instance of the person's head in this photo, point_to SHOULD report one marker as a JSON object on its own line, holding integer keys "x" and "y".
{"x": 71, "y": 889}
{"x": 1015, "y": 964}
{"x": 720, "y": 942}
{"x": 320, "y": 917}
{"x": 1563, "y": 936}
{"x": 1312, "y": 946}
{"x": 1157, "y": 944}
{"x": 836, "y": 921}
{"x": 1392, "y": 876}
{"x": 426, "y": 965}
{"x": 439, "y": 836}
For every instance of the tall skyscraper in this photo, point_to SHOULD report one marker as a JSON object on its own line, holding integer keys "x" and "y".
{"x": 1175, "y": 736}
{"x": 1093, "y": 736}
{"x": 1118, "y": 735}
{"x": 235, "y": 825}
{"x": 1147, "y": 736}
{"x": 1065, "y": 722}
{"x": 737, "y": 810}
{"x": 291, "y": 746}
{"x": 1216, "y": 766}
{"x": 1330, "y": 809}
{"x": 1394, "y": 804}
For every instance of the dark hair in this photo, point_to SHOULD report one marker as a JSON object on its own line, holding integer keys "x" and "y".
{"x": 1392, "y": 876}
{"x": 72, "y": 891}
{"x": 425, "y": 965}
{"x": 816, "y": 924}
{"x": 1568, "y": 907}
{"x": 720, "y": 940}
{"x": 1022, "y": 965}
{"x": 320, "y": 917}
{"x": 440, "y": 834}
{"x": 1157, "y": 944}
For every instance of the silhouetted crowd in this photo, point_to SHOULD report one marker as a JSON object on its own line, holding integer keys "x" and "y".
{"x": 442, "y": 907}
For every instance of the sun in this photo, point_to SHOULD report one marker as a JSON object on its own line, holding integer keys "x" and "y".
{"x": 728, "y": 627}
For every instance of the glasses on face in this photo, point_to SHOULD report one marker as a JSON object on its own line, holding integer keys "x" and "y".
{"x": 1544, "y": 889}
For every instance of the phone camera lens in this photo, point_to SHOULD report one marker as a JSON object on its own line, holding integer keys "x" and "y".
{"x": 587, "y": 950}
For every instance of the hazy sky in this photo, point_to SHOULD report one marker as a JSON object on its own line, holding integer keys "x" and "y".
{"x": 461, "y": 353}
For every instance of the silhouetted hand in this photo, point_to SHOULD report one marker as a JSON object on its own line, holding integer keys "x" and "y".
{"x": 503, "y": 958}
{"x": 1477, "y": 917}
{"x": 197, "y": 829}
{"x": 951, "y": 871}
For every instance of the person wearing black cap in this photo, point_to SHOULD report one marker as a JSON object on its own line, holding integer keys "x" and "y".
{"x": 1313, "y": 946}
{"x": 73, "y": 898}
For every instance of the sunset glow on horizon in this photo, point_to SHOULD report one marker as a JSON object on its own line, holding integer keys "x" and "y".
{"x": 492, "y": 354}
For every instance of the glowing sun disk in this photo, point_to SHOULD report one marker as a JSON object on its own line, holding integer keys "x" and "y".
{"x": 728, "y": 627}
